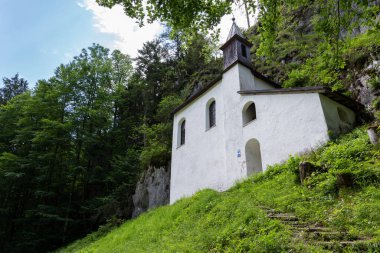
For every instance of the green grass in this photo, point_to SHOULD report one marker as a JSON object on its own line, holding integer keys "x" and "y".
{"x": 233, "y": 222}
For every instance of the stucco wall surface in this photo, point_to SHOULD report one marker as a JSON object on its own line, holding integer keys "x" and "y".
{"x": 250, "y": 82}
{"x": 199, "y": 162}
{"x": 285, "y": 124}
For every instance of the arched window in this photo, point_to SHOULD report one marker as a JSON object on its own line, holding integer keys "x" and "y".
{"x": 211, "y": 114}
{"x": 243, "y": 51}
{"x": 249, "y": 113}
{"x": 343, "y": 115}
{"x": 182, "y": 133}
{"x": 344, "y": 125}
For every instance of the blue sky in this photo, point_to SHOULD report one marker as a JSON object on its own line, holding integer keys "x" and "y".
{"x": 36, "y": 36}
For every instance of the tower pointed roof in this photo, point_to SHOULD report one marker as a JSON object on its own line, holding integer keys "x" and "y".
{"x": 235, "y": 30}
{"x": 235, "y": 33}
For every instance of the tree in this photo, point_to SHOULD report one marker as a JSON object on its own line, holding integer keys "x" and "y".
{"x": 64, "y": 166}
{"x": 72, "y": 150}
{"x": 12, "y": 87}
{"x": 186, "y": 16}
{"x": 332, "y": 20}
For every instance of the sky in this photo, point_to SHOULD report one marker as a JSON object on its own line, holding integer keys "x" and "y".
{"x": 37, "y": 36}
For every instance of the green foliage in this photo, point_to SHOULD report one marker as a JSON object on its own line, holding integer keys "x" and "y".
{"x": 232, "y": 221}
{"x": 375, "y": 83}
{"x": 158, "y": 147}
{"x": 185, "y": 17}
{"x": 321, "y": 70}
{"x": 166, "y": 106}
{"x": 321, "y": 199}
{"x": 360, "y": 48}
{"x": 164, "y": 70}
{"x": 12, "y": 87}
{"x": 61, "y": 168}
{"x": 315, "y": 43}
{"x": 269, "y": 18}
{"x": 376, "y": 103}
{"x": 208, "y": 222}
{"x": 72, "y": 150}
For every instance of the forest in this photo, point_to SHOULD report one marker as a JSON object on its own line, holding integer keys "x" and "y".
{"x": 73, "y": 147}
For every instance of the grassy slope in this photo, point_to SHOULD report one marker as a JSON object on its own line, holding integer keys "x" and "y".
{"x": 233, "y": 222}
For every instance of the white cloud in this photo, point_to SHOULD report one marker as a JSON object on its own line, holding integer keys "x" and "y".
{"x": 129, "y": 37}
{"x": 241, "y": 21}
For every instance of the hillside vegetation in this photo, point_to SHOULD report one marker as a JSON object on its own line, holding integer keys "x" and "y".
{"x": 235, "y": 221}
{"x": 308, "y": 50}
{"x": 73, "y": 148}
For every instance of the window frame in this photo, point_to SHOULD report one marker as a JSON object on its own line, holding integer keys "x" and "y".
{"x": 212, "y": 115}
{"x": 248, "y": 105}
{"x": 182, "y": 140}
{"x": 181, "y": 133}
{"x": 208, "y": 113}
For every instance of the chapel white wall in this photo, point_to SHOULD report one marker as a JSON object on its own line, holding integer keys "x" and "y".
{"x": 286, "y": 124}
{"x": 249, "y": 81}
{"x": 199, "y": 162}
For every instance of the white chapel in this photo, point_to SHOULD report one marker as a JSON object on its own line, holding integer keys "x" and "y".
{"x": 242, "y": 122}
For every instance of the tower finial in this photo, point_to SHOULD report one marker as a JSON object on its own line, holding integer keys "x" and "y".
{"x": 236, "y": 48}
{"x": 234, "y": 29}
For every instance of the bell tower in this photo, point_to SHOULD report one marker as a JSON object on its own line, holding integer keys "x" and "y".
{"x": 236, "y": 48}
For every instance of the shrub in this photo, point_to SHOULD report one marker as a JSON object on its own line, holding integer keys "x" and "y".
{"x": 376, "y": 103}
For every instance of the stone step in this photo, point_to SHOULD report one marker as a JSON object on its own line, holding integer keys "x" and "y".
{"x": 265, "y": 208}
{"x": 283, "y": 217}
{"x": 326, "y": 236}
{"x": 296, "y": 225}
{"x": 361, "y": 243}
{"x": 310, "y": 229}
{"x": 316, "y": 233}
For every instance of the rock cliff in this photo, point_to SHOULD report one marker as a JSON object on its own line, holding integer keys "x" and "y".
{"x": 152, "y": 190}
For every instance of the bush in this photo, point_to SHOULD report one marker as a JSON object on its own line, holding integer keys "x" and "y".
{"x": 376, "y": 103}
{"x": 374, "y": 82}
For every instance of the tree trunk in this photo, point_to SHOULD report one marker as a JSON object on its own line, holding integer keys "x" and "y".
{"x": 247, "y": 13}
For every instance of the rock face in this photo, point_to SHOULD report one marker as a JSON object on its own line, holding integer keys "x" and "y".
{"x": 344, "y": 180}
{"x": 306, "y": 169}
{"x": 373, "y": 136}
{"x": 152, "y": 190}
{"x": 360, "y": 87}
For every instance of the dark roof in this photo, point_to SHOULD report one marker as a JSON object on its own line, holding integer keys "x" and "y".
{"x": 234, "y": 30}
{"x": 340, "y": 98}
{"x": 235, "y": 33}
{"x": 238, "y": 37}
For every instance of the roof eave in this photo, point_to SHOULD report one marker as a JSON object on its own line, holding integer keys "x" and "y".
{"x": 236, "y": 36}
{"x": 340, "y": 98}
{"x": 196, "y": 95}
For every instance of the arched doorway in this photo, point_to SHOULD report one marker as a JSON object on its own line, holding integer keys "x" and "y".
{"x": 253, "y": 156}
